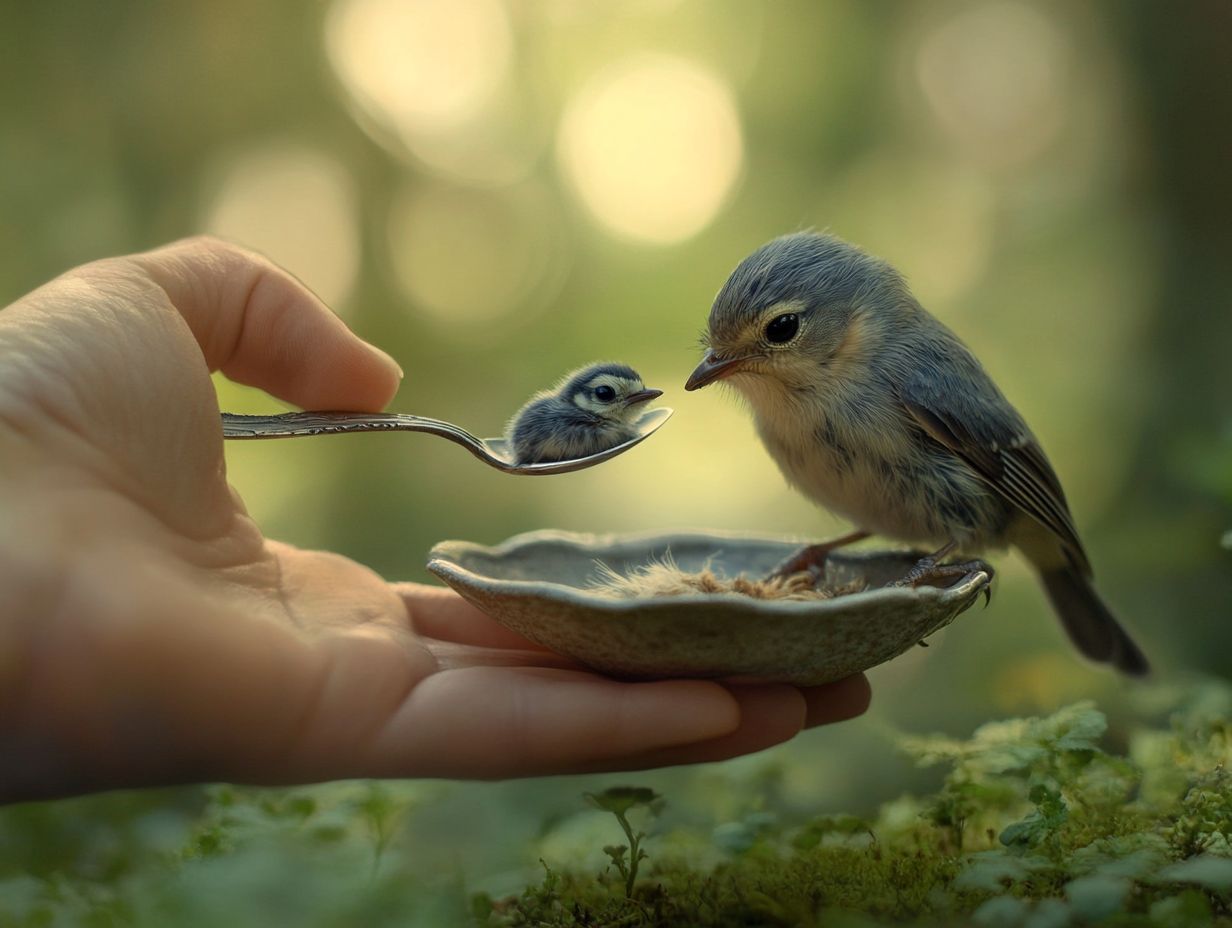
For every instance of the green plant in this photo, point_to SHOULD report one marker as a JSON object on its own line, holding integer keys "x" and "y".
{"x": 620, "y": 800}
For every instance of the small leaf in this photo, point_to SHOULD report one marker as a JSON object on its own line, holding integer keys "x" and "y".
{"x": 1189, "y": 909}
{"x": 620, "y": 799}
{"x": 1083, "y": 725}
{"x": 991, "y": 871}
{"x": 1001, "y": 912}
{"x": 1206, "y": 870}
{"x": 1133, "y": 856}
{"x": 1007, "y": 758}
{"x": 615, "y": 851}
{"x": 1049, "y": 815}
{"x": 1096, "y": 897}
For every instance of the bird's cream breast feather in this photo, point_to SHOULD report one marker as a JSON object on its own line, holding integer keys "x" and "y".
{"x": 840, "y": 452}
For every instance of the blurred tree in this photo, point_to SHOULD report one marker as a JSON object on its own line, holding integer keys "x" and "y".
{"x": 1179, "y": 496}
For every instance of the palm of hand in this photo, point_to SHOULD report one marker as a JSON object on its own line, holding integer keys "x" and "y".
{"x": 166, "y": 585}
{"x": 174, "y": 642}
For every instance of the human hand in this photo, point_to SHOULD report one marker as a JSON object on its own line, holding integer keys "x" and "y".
{"x": 149, "y": 634}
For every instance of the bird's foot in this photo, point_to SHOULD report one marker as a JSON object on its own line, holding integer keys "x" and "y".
{"x": 811, "y": 559}
{"x": 927, "y": 570}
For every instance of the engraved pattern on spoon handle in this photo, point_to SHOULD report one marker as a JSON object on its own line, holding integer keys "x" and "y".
{"x": 300, "y": 424}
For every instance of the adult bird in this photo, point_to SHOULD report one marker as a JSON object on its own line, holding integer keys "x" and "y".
{"x": 875, "y": 410}
{"x": 591, "y": 410}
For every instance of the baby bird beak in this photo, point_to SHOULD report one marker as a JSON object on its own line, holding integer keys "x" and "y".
{"x": 641, "y": 396}
{"x": 714, "y": 368}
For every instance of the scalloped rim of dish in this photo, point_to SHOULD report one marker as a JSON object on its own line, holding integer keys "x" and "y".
{"x": 445, "y": 556}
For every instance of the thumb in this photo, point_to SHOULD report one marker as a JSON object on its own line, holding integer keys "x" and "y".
{"x": 262, "y": 327}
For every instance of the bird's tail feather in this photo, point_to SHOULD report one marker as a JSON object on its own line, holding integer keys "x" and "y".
{"x": 1091, "y": 626}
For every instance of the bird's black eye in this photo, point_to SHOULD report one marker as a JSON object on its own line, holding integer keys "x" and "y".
{"x": 782, "y": 329}
{"x": 605, "y": 394}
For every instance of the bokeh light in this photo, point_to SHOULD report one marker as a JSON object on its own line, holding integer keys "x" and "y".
{"x": 653, "y": 147}
{"x": 995, "y": 78}
{"x": 294, "y": 204}
{"x": 429, "y": 79}
{"x": 468, "y": 256}
{"x": 496, "y": 149}
{"x": 420, "y": 65}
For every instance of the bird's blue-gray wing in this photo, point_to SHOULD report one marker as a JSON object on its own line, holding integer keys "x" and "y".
{"x": 533, "y": 427}
{"x": 955, "y": 402}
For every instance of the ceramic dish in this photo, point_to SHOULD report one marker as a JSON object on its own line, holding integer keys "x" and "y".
{"x": 541, "y": 585}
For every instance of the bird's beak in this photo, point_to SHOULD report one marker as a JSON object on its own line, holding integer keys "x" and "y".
{"x": 641, "y": 396}
{"x": 714, "y": 368}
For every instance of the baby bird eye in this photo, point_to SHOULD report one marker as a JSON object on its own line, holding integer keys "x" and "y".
{"x": 605, "y": 394}
{"x": 783, "y": 328}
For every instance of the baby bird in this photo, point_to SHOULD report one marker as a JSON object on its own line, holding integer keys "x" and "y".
{"x": 590, "y": 410}
{"x": 875, "y": 410}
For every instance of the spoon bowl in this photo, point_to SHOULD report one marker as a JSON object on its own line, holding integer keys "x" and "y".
{"x": 495, "y": 452}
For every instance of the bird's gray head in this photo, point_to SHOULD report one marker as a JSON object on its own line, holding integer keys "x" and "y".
{"x": 609, "y": 391}
{"x": 799, "y": 301}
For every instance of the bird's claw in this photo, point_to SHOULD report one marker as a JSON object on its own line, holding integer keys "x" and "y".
{"x": 927, "y": 570}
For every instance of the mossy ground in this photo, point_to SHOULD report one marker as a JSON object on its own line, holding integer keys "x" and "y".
{"x": 1035, "y": 824}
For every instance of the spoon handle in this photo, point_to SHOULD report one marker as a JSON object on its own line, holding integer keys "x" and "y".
{"x": 298, "y": 424}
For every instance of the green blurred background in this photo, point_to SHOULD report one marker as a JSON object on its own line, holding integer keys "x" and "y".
{"x": 498, "y": 190}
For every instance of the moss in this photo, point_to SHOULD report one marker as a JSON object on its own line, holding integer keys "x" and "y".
{"x": 1034, "y": 824}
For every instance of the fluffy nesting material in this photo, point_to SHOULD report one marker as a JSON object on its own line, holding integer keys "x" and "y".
{"x": 664, "y": 577}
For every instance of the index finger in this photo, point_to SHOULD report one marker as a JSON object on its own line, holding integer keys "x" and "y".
{"x": 262, "y": 327}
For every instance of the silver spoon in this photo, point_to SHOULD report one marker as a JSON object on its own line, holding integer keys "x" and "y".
{"x": 492, "y": 451}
